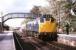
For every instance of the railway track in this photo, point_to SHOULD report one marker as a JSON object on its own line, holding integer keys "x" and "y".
{"x": 38, "y": 44}
{"x": 65, "y": 47}
{"x": 46, "y": 45}
{"x": 41, "y": 45}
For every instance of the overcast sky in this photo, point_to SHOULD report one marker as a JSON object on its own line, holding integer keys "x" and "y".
{"x": 19, "y": 5}
{"x": 7, "y": 6}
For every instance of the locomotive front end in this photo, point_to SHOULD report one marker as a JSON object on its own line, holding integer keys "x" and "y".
{"x": 47, "y": 28}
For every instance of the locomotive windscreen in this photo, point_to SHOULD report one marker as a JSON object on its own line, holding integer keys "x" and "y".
{"x": 41, "y": 19}
{"x": 47, "y": 17}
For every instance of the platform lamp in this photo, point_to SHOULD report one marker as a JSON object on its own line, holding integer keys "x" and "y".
{"x": 2, "y": 21}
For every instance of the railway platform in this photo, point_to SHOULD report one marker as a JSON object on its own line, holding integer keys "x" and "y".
{"x": 68, "y": 39}
{"x": 7, "y": 41}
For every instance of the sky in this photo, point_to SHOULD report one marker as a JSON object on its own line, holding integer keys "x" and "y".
{"x": 19, "y": 5}
{"x": 7, "y": 6}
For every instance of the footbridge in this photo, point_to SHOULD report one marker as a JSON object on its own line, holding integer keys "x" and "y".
{"x": 16, "y": 15}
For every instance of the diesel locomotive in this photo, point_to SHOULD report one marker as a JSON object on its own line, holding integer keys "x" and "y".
{"x": 44, "y": 28}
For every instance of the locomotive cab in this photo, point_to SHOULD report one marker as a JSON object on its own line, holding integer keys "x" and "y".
{"x": 47, "y": 28}
{"x": 47, "y": 24}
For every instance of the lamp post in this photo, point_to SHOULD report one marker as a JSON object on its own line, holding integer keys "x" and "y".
{"x": 2, "y": 21}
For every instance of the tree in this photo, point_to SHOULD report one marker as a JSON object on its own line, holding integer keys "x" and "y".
{"x": 60, "y": 9}
{"x": 35, "y": 10}
{"x": 26, "y": 21}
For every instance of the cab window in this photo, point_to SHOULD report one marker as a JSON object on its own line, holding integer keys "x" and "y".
{"x": 41, "y": 19}
{"x": 47, "y": 19}
{"x": 52, "y": 19}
